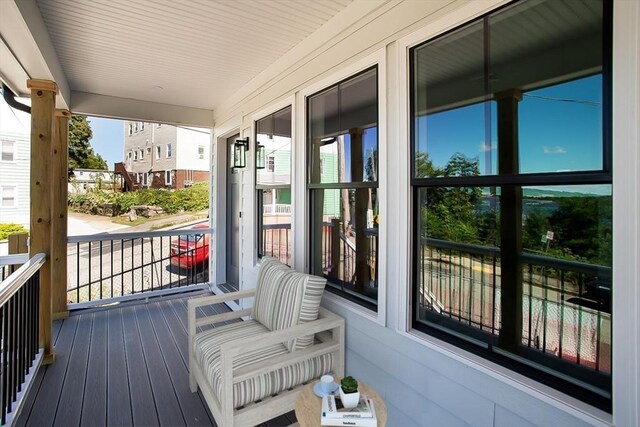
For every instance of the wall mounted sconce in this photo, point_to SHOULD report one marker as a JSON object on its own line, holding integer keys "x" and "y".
{"x": 260, "y": 157}
{"x": 240, "y": 149}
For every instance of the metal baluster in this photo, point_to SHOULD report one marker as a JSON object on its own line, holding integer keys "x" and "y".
{"x": 530, "y": 303}
{"x": 133, "y": 262}
{"x": 121, "y": 267}
{"x": 78, "y": 272}
{"x": 580, "y": 311}
{"x": 89, "y": 283}
{"x": 561, "y": 312}
{"x": 101, "y": 276}
{"x": 4, "y": 392}
{"x": 111, "y": 264}
{"x": 544, "y": 311}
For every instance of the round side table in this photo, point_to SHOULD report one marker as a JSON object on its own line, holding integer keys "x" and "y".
{"x": 309, "y": 406}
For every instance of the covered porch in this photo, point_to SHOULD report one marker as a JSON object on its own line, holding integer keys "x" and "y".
{"x": 339, "y": 90}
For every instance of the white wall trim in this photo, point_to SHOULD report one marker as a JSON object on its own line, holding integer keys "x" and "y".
{"x": 626, "y": 213}
{"x": 114, "y": 107}
{"x": 273, "y": 108}
{"x": 218, "y": 192}
{"x": 377, "y": 58}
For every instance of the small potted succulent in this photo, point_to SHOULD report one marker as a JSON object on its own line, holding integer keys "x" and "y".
{"x": 349, "y": 394}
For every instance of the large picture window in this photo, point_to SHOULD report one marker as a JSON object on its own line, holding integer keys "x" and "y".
{"x": 511, "y": 182}
{"x": 273, "y": 185}
{"x": 342, "y": 123}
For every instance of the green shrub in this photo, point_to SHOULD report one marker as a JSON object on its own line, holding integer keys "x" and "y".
{"x": 6, "y": 229}
{"x": 191, "y": 199}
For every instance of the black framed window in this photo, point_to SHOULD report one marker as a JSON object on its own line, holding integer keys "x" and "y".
{"x": 342, "y": 147}
{"x": 511, "y": 189}
{"x": 273, "y": 186}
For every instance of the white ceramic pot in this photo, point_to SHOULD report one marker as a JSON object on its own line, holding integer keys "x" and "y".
{"x": 349, "y": 400}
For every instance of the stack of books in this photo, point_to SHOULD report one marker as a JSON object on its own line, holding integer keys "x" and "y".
{"x": 334, "y": 414}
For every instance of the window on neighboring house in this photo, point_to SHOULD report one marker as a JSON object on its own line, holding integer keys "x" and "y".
{"x": 141, "y": 154}
{"x": 158, "y": 152}
{"x": 142, "y": 126}
{"x": 148, "y": 151}
{"x": 135, "y": 127}
{"x": 145, "y": 181}
{"x": 273, "y": 191}
{"x": 271, "y": 164}
{"x": 159, "y": 124}
{"x": 8, "y": 196}
{"x": 168, "y": 150}
{"x": 342, "y": 124}
{"x": 8, "y": 151}
{"x": 512, "y": 196}
{"x": 135, "y": 155}
{"x": 201, "y": 151}
{"x": 130, "y": 128}
{"x": 167, "y": 177}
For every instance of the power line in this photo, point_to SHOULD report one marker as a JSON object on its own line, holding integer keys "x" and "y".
{"x": 574, "y": 101}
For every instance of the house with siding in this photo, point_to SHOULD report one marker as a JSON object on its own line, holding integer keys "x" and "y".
{"x": 465, "y": 175}
{"x": 160, "y": 155}
{"x": 14, "y": 165}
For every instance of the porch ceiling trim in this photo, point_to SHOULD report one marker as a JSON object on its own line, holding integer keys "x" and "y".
{"x": 133, "y": 109}
{"x": 26, "y": 38}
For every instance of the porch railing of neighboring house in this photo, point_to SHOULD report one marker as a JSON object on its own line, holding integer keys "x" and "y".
{"x": 20, "y": 355}
{"x": 339, "y": 263}
{"x": 276, "y": 241}
{"x": 277, "y": 209}
{"x": 566, "y": 304}
{"x": 124, "y": 265}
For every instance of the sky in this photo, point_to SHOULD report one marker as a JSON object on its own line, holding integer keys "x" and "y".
{"x": 570, "y": 140}
{"x": 107, "y": 139}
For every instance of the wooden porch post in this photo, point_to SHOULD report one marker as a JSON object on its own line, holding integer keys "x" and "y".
{"x": 43, "y": 96}
{"x": 60, "y": 156}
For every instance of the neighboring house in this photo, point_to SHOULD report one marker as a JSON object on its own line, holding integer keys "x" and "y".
{"x": 163, "y": 156}
{"x": 83, "y": 180}
{"x": 14, "y": 165}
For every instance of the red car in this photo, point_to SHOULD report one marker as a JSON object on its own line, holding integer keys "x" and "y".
{"x": 192, "y": 250}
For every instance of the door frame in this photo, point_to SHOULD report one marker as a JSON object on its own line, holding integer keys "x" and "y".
{"x": 218, "y": 211}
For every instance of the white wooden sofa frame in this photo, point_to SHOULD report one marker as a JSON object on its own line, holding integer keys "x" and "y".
{"x": 328, "y": 329}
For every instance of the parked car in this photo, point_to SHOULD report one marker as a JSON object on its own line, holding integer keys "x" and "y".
{"x": 191, "y": 250}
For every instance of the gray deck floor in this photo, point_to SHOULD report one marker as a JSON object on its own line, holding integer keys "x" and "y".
{"x": 122, "y": 366}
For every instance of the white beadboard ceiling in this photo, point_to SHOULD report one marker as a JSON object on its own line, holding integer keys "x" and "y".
{"x": 192, "y": 53}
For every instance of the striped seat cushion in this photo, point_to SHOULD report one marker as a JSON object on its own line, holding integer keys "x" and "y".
{"x": 206, "y": 348}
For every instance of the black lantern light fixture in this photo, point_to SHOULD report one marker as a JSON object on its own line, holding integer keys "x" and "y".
{"x": 240, "y": 149}
{"x": 260, "y": 157}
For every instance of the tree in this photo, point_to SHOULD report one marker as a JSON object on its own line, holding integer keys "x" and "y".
{"x": 81, "y": 155}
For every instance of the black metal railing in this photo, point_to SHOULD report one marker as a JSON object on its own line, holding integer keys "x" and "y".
{"x": 566, "y": 304}
{"x": 19, "y": 329}
{"x": 276, "y": 242}
{"x": 109, "y": 266}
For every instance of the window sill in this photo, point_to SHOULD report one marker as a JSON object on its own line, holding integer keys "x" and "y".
{"x": 354, "y": 307}
{"x": 550, "y": 396}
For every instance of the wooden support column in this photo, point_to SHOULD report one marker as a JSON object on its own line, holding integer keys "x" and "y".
{"x": 511, "y": 222}
{"x": 59, "y": 178}
{"x": 43, "y": 96}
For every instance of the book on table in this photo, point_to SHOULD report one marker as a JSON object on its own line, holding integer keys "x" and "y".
{"x": 334, "y": 414}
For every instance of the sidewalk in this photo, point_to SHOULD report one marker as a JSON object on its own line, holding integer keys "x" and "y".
{"x": 83, "y": 224}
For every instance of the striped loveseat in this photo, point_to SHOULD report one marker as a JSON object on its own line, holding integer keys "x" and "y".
{"x": 252, "y": 370}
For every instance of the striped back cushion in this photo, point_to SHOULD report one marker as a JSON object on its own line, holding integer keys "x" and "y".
{"x": 269, "y": 292}
{"x": 313, "y": 287}
{"x": 285, "y": 298}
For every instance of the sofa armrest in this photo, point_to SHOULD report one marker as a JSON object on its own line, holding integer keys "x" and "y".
{"x": 193, "y": 304}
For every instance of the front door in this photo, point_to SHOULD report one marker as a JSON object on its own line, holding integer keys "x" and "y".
{"x": 233, "y": 220}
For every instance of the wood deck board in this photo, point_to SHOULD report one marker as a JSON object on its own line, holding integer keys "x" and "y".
{"x": 122, "y": 366}
{"x": 193, "y": 410}
{"x": 43, "y": 411}
{"x": 70, "y": 405}
{"x": 94, "y": 405}
{"x": 142, "y": 403}
{"x": 166, "y": 401}
{"x": 118, "y": 400}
